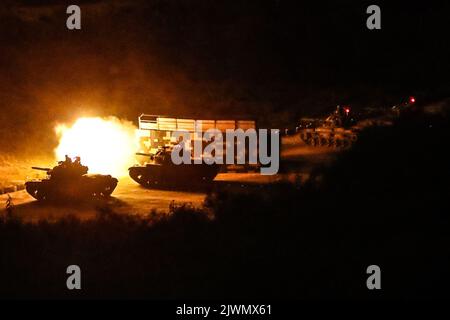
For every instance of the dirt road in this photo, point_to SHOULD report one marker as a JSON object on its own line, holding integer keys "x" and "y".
{"x": 129, "y": 197}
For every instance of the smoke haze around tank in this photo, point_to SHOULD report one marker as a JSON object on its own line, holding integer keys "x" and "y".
{"x": 105, "y": 145}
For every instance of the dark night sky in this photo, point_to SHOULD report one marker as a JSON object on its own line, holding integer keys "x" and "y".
{"x": 275, "y": 60}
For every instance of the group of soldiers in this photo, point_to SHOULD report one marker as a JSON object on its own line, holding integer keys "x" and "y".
{"x": 68, "y": 168}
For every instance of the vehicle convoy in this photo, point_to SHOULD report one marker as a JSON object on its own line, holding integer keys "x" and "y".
{"x": 70, "y": 180}
{"x": 341, "y": 128}
{"x": 160, "y": 171}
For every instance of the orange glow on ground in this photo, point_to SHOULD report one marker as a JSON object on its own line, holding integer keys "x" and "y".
{"x": 105, "y": 145}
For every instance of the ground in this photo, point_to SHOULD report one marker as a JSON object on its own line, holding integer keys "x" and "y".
{"x": 131, "y": 198}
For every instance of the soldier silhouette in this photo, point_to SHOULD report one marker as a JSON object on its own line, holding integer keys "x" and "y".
{"x": 68, "y": 161}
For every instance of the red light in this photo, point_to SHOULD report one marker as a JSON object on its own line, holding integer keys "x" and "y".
{"x": 347, "y": 110}
{"x": 412, "y": 99}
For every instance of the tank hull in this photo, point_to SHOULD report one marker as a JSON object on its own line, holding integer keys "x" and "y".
{"x": 184, "y": 175}
{"x": 84, "y": 187}
{"x": 327, "y": 137}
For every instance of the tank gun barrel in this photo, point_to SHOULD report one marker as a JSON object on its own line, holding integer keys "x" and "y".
{"x": 41, "y": 169}
{"x": 143, "y": 154}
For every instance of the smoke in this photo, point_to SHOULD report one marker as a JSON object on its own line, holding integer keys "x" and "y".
{"x": 186, "y": 59}
{"x": 439, "y": 108}
{"x": 105, "y": 145}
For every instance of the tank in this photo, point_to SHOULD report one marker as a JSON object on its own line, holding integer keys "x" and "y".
{"x": 161, "y": 172}
{"x": 337, "y": 130}
{"x": 70, "y": 180}
{"x": 341, "y": 128}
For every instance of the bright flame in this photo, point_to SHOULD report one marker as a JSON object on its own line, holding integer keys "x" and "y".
{"x": 105, "y": 145}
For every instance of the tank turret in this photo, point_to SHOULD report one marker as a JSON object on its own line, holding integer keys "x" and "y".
{"x": 41, "y": 169}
